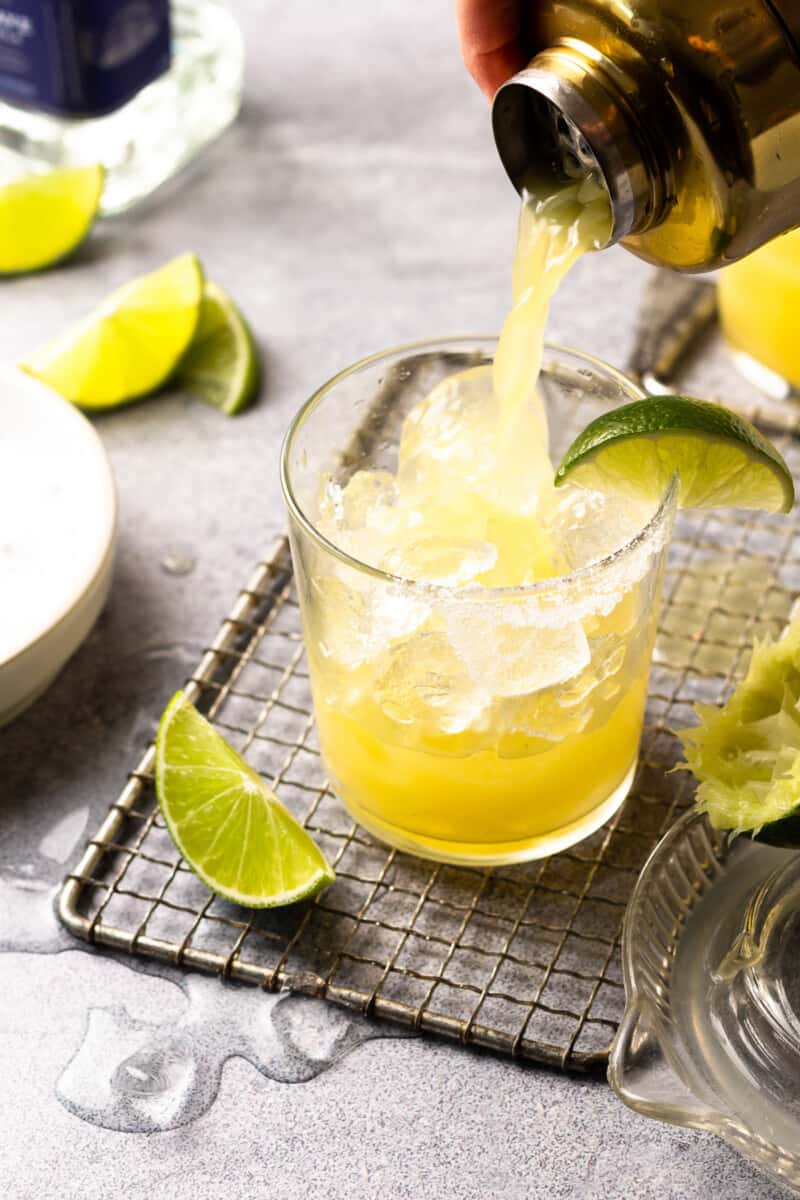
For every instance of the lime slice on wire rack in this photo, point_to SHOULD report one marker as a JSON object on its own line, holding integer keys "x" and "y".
{"x": 130, "y": 344}
{"x": 43, "y": 218}
{"x": 221, "y": 365}
{"x": 229, "y": 826}
{"x": 722, "y": 460}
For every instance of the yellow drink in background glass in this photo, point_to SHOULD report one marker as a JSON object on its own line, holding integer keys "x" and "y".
{"x": 759, "y": 302}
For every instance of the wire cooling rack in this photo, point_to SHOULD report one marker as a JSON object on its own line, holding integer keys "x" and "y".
{"x": 523, "y": 959}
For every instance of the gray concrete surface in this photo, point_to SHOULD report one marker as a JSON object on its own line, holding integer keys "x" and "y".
{"x": 358, "y": 203}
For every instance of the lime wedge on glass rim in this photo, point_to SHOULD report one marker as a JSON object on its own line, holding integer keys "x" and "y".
{"x": 721, "y": 459}
{"x": 130, "y": 344}
{"x": 43, "y": 218}
{"x": 228, "y": 825}
{"x": 221, "y": 364}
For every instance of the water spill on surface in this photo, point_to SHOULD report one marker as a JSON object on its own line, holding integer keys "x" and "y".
{"x": 27, "y": 919}
{"x": 62, "y": 838}
{"x": 44, "y": 816}
{"x": 70, "y": 751}
{"x": 49, "y": 830}
{"x": 141, "y": 1076}
{"x": 27, "y": 915}
{"x": 131, "y": 1074}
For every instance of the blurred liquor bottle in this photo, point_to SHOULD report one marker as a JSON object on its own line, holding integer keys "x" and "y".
{"x": 138, "y": 85}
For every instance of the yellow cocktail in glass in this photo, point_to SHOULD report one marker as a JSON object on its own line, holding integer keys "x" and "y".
{"x": 480, "y": 693}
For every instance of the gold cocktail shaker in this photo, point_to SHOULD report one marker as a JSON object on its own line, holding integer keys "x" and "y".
{"x": 688, "y": 109}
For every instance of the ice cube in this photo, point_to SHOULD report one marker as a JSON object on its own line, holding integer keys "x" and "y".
{"x": 588, "y": 525}
{"x": 534, "y": 724}
{"x": 453, "y": 561}
{"x": 447, "y": 428}
{"x": 529, "y": 661}
{"x": 340, "y": 620}
{"x": 620, "y": 619}
{"x": 397, "y": 611}
{"x": 365, "y": 545}
{"x": 368, "y": 499}
{"x": 352, "y": 621}
{"x": 362, "y": 517}
{"x": 574, "y": 694}
{"x": 608, "y": 655}
{"x": 512, "y": 656}
{"x": 362, "y": 502}
{"x": 422, "y": 681}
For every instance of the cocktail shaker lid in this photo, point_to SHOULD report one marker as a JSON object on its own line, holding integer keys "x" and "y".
{"x": 558, "y": 120}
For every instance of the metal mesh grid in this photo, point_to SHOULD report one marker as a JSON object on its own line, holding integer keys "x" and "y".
{"x": 523, "y": 959}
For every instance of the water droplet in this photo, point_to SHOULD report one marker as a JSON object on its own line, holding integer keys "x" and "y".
{"x": 152, "y": 1071}
{"x": 177, "y": 562}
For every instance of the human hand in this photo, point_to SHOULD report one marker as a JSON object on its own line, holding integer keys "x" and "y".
{"x": 492, "y": 42}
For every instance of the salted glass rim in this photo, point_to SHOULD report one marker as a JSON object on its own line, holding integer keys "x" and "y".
{"x": 540, "y": 587}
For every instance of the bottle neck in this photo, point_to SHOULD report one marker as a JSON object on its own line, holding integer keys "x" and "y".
{"x": 564, "y": 117}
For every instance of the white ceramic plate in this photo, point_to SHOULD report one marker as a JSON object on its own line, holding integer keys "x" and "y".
{"x": 58, "y": 517}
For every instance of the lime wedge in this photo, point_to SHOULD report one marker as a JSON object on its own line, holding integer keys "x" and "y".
{"x": 130, "y": 344}
{"x": 746, "y": 754}
{"x": 43, "y": 218}
{"x": 722, "y": 460}
{"x": 228, "y": 825}
{"x": 221, "y": 364}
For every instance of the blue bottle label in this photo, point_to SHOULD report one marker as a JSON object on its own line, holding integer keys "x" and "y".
{"x": 81, "y": 57}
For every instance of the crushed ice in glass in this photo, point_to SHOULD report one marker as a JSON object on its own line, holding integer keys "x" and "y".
{"x": 472, "y": 506}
